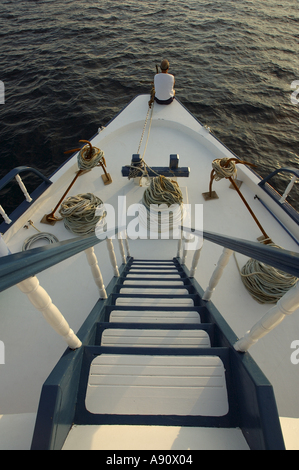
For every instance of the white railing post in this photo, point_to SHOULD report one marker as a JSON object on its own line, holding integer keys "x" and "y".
{"x": 121, "y": 248}
{"x": 195, "y": 260}
{"x": 285, "y": 306}
{"x": 96, "y": 272}
{"x": 215, "y": 278}
{"x": 112, "y": 256}
{"x": 179, "y": 248}
{"x": 42, "y": 302}
{"x": 23, "y": 188}
{"x": 127, "y": 244}
{"x": 288, "y": 189}
{"x": 7, "y": 220}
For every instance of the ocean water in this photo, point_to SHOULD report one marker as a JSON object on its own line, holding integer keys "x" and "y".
{"x": 69, "y": 66}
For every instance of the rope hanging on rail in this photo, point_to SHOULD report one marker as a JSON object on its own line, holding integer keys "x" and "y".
{"x": 264, "y": 283}
{"x": 79, "y": 213}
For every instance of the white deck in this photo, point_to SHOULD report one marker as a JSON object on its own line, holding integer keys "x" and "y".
{"x": 154, "y": 438}
{"x": 32, "y": 348}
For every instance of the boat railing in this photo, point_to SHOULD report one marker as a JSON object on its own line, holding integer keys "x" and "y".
{"x": 18, "y": 268}
{"x": 281, "y": 200}
{"x": 284, "y": 260}
{"x": 21, "y": 268}
{"x": 15, "y": 174}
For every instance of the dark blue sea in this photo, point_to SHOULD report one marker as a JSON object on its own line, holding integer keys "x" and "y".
{"x": 69, "y": 66}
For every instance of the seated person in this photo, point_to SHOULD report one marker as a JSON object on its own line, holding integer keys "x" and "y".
{"x": 164, "y": 85}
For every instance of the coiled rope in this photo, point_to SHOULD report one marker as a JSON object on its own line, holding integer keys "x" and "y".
{"x": 79, "y": 213}
{"x": 162, "y": 191}
{"x": 221, "y": 171}
{"x": 89, "y": 158}
{"x": 49, "y": 237}
{"x": 265, "y": 283}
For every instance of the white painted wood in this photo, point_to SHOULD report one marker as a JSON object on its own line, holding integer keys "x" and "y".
{"x": 157, "y": 385}
{"x": 112, "y": 256}
{"x": 288, "y": 189}
{"x": 158, "y": 263}
{"x": 157, "y": 316}
{"x": 154, "y": 302}
{"x": 145, "y": 291}
{"x": 96, "y": 272}
{"x": 173, "y": 275}
{"x": 215, "y": 278}
{"x": 170, "y": 283}
{"x": 5, "y": 216}
{"x": 122, "y": 250}
{"x": 155, "y": 338}
{"x": 42, "y": 302}
{"x": 152, "y": 270}
{"x": 127, "y": 245}
{"x": 195, "y": 261}
{"x": 23, "y": 188}
{"x": 285, "y": 306}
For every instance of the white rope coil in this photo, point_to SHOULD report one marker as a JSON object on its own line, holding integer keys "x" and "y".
{"x": 49, "y": 237}
{"x": 265, "y": 283}
{"x": 221, "y": 172}
{"x": 79, "y": 212}
{"x": 85, "y": 162}
{"x": 162, "y": 191}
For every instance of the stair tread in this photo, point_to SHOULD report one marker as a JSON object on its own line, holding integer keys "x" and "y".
{"x": 174, "y": 275}
{"x": 154, "y": 301}
{"x": 154, "y": 290}
{"x": 157, "y": 385}
{"x": 155, "y": 316}
{"x": 157, "y": 282}
{"x": 155, "y": 338}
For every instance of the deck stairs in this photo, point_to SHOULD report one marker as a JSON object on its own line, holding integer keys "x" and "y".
{"x": 157, "y": 357}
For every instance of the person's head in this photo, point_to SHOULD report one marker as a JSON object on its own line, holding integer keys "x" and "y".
{"x": 164, "y": 65}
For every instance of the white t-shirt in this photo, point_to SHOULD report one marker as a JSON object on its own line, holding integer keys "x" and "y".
{"x": 164, "y": 83}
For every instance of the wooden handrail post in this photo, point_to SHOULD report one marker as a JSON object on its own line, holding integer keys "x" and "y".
{"x": 223, "y": 260}
{"x": 112, "y": 256}
{"x": 96, "y": 272}
{"x": 42, "y": 302}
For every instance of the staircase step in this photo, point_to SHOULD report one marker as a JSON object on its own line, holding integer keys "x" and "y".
{"x": 155, "y": 338}
{"x": 156, "y": 275}
{"x": 153, "y": 270}
{"x": 156, "y": 282}
{"x": 154, "y": 316}
{"x": 153, "y": 262}
{"x": 150, "y": 290}
{"x": 144, "y": 301}
{"x": 134, "y": 384}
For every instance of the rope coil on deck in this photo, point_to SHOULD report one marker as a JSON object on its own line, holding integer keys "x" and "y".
{"x": 221, "y": 171}
{"x": 79, "y": 213}
{"x": 49, "y": 237}
{"x": 265, "y": 283}
{"x": 162, "y": 191}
